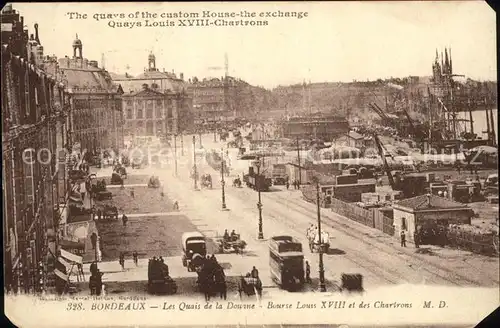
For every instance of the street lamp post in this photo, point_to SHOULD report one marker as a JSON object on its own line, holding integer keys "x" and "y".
{"x": 175, "y": 153}
{"x": 195, "y": 173}
{"x": 182, "y": 144}
{"x": 223, "y": 182}
{"x": 199, "y": 134}
{"x": 322, "y": 286}
{"x": 215, "y": 134}
{"x": 259, "y": 204}
{"x": 298, "y": 159}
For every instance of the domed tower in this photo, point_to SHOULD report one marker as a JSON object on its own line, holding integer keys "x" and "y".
{"x": 77, "y": 44}
{"x": 152, "y": 62}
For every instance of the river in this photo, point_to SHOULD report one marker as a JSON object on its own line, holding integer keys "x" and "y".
{"x": 479, "y": 118}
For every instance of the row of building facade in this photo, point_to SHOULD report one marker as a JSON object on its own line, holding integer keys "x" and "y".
{"x": 55, "y": 107}
{"x": 50, "y": 108}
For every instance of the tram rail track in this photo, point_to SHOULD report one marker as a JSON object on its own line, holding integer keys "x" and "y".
{"x": 446, "y": 274}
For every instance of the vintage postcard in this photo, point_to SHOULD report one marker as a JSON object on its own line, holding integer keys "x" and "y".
{"x": 250, "y": 164}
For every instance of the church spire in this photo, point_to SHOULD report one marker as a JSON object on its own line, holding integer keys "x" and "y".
{"x": 437, "y": 57}
{"x": 451, "y": 64}
{"x": 446, "y": 61}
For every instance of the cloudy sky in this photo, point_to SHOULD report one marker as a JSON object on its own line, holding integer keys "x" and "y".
{"x": 336, "y": 42}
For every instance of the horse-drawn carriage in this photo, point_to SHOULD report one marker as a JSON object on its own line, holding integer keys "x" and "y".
{"x": 237, "y": 182}
{"x": 99, "y": 191}
{"x": 121, "y": 170}
{"x": 231, "y": 243}
{"x": 154, "y": 182}
{"x": 159, "y": 280}
{"x": 211, "y": 278}
{"x": 116, "y": 179}
{"x": 317, "y": 244}
{"x": 250, "y": 286}
{"x": 109, "y": 213}
{"x": 206, "y": 181}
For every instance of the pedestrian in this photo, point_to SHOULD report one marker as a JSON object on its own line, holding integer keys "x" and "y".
{"x": 445, "y": 194}
{"x": 254, "y": 273}
{"x": 124, "y": 219}
{"x": 122, "y": 260}
{"x": 93, "y": 239}
{"x": 132, "y": 194}
{"x": 176, "y": 206}
{"x": 135, "y": 256}
{"x": 416, "y": 239}
{"x": 308, "y": 273}
{"x": 403, "y": 238}
{"x": 287, "y": 184}
{"x": 161, "y": 259}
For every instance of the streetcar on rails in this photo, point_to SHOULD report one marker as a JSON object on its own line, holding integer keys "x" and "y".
{"x": 286, "y": 262}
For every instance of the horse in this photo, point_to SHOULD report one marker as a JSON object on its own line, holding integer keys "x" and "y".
{"x": 212, "y": 280}
{"x": 237, "y": 183}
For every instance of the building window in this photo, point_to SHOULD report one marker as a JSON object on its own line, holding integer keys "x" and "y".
{"x": 130, "y": 114}
{"x": 159, "y": 102}
{"x": 403, "y": 224}
{"x": 159, "y": 127}
{"x": 129, "y": 102}
{"x": 150, "y": 128}
{"x": 158, "y": 111}
{"x": 149, "y": 112}
{"x": 139, "y": 113}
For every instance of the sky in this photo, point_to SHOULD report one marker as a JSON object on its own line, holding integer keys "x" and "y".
{"x": 337, "y": 41}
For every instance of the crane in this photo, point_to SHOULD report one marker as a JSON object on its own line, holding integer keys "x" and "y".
{"x": 381, "y": 148}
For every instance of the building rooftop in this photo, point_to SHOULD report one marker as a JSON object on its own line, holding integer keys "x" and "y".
{"x": 355, "y": 135}
{"x": 427, "y": 202}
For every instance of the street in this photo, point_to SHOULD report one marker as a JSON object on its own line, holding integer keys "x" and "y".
{"x": 354, "y": 247}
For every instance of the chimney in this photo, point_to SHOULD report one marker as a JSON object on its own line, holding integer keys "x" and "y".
{"x": 182, "y": 76}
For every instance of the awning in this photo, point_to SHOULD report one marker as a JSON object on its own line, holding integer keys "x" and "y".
{"x": 71, "y": 257}
{"x": 61, "y": 275}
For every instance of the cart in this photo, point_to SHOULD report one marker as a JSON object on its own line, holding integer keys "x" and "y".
{"x": 250, "y": 286}
{"x": 235, "y": 244}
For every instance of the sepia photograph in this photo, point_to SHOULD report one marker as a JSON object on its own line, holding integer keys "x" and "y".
{"x": 250, "y": 164}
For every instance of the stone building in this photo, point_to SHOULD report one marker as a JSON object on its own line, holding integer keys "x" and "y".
{"x": 223, "y": 100}
{"x": 96, "y": 100}
{"x": 35, "y": 124}
{"x": 428, "y": 212}
{"x": 155, "y": 103}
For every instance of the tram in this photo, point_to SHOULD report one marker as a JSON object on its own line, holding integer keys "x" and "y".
{"x": 286, "y": 262}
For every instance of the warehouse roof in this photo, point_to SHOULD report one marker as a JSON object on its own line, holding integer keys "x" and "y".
{"x": 426, "y": 202}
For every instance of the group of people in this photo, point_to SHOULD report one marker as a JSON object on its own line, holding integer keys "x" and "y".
{"x": 295, "y": 184}
{"x": 229, "y": 238}
{"x": 313, "y": 235}
{"x": 155, "y": 263}
{"x": 416, "y": 238}
{"x": 135, "y": 257}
